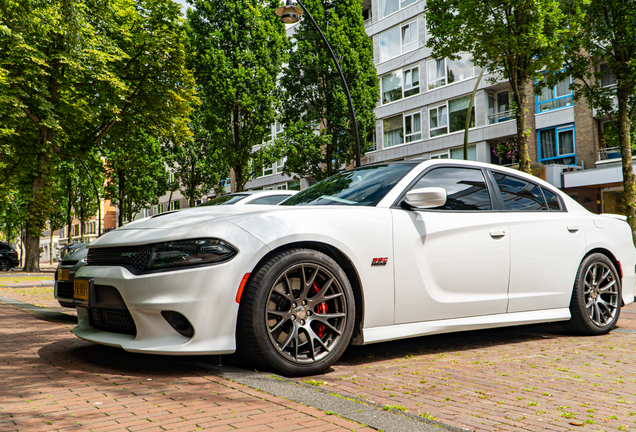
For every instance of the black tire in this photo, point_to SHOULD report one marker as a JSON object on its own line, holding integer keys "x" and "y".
{"x": 296, "y": 315}
{"x": 5, "y": 265}
{"x": 596, "y": 298}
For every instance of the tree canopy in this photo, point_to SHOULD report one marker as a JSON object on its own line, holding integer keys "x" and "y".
{"x": 517, "y": 40}
{"x": 318, "y": 139}
{"x": 237, "y": 50}
{"x": 71, "y": 72}
{"x": 602, "y": 57}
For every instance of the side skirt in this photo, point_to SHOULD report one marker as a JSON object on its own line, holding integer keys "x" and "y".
{"x": 400, "y": 331}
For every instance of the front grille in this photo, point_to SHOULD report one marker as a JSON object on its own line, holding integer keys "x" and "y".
{"x": 134, "y": 256}
{"x": 65, "y": 290}
{"x": 112, "y": 320}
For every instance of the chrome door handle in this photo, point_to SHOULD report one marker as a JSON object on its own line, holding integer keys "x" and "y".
{"x": 497, "y": 233}
{"x": 573, "y": 228}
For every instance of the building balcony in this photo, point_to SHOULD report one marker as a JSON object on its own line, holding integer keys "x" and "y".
{"x": 500, "y": 117}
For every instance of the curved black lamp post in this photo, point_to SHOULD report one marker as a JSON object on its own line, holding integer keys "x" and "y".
{"x": 290, "y": 14}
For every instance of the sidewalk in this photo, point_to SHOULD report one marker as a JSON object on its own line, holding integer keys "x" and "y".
{"x": 53, "y": 381}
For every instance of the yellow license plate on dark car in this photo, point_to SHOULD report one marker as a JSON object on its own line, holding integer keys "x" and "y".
{"x": 80, "y": 289}
{"x": 62, "y": 274}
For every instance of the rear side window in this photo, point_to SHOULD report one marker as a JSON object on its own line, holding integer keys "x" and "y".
{"x": 519, "y": 194}
{"x": 554, "y": 203}
{"x": 465, "y": 188}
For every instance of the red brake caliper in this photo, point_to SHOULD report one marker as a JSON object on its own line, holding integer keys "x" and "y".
{"x": 322, "y": 308}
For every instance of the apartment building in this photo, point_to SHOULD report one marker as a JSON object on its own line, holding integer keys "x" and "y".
{"x": 424, "y": 101}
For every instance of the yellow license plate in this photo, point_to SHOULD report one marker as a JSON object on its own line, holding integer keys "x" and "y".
{"x": 62, "y": 274}
{"x": 80, "y": 288}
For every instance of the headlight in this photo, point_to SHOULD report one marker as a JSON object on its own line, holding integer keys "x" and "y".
{"x": 189, "y": 252}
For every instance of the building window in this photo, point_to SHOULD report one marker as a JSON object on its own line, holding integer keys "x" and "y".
{"x": 282, "y": 187}
{"x": 440, "y": 123}
{"x": 398, "y": 40}
{"x": 400, "y": 84}
{"x": 387, "y": 7}
{"x": 607, "y": 79}
{"x": 555, "y": 97}
{"x": 174, "y": 205}
{"x": 442, "y": 155}
{"x": 557, "y": 145}
{"x": 393, "y": 131}
{"x": 280, "y": 165}
{"x": 436, "y": 73}
{"x": 402, "y": 128}
{"x": 412, "y": 127}
{"x": 445, "y": 71}
{"x": 158, "y": 209}
{"x": 499, "y": 108}
{"x": 457, "y": 153}
{"x": 293, "y": 185}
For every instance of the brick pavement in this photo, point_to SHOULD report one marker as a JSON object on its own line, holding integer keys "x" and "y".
{"x": 527, "y": 378}
{"x": 53, "y": 381}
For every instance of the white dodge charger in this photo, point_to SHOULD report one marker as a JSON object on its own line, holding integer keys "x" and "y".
{"x": 381, "y": 252}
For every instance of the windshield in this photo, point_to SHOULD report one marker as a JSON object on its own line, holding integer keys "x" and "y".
{"x": 360, "y": 187}
{"x": 224, "y": 200}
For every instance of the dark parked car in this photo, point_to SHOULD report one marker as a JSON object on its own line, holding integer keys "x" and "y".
{"x": 8, "y": 257}
{"x": 65, "y": 275}
{"x": 70, "y": 248}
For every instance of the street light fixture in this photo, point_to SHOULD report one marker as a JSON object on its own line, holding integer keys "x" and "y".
{"x": 290, "y": 14}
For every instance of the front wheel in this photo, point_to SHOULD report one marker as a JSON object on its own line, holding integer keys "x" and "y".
{"x": 297, "y": 313}
{"x": 596, "y": 298}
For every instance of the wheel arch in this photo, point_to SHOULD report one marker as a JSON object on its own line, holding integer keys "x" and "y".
{"x": 608, "y": 254}
{"x": 614, "y": 261}
{"x": 343, "y": 261}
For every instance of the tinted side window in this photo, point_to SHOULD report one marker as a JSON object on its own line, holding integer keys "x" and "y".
{"x": 519, "y": 194}
{"x": 553, "y": 201}
{"x": 465, "y": 188}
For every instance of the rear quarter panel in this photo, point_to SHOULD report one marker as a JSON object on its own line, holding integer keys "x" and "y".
{"x": 614, "y": 235}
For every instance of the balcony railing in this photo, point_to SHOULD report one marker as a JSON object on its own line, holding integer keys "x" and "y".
{"x": 609, "y": 153}
{"x": 500, "y": 117}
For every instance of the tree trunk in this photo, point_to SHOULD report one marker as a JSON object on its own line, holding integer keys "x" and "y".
{"x": 232, "y": 182}
{"x": 82, "y": 218}
{"x": 69, "y": 206}
{"x": 51, "y": 246}
{"x": 32, "y": 258}
{"x": 120, "y": 198}
{"x": 238, "y": 177}
{"x": 522, "y": 137}
{"x": 626, "y": 159}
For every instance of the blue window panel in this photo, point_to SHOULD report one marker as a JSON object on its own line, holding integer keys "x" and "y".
{"x": 557, "y": 145}
{"x": 555, "y": 97}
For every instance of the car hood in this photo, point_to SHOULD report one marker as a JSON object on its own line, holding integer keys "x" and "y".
{"x": 195, "y": 222}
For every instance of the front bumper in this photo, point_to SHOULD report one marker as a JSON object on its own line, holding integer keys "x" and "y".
{"x": 205, "y": 296}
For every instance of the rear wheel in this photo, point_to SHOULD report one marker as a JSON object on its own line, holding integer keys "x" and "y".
{"x": 297, "y": 313}
{"x": 5, "y": 265}
{"x": 596, "y": 297}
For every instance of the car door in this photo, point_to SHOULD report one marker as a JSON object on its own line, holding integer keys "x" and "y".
{"x": 546, "y": 244}
{"x": 453, "y": 261}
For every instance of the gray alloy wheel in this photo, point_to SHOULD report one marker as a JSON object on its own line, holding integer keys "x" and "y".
{"x": 296, "y": 315}
{"x": 306, "y": 313}
{"x": 596, "y": 298}
{"x": 5, "y": 265}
